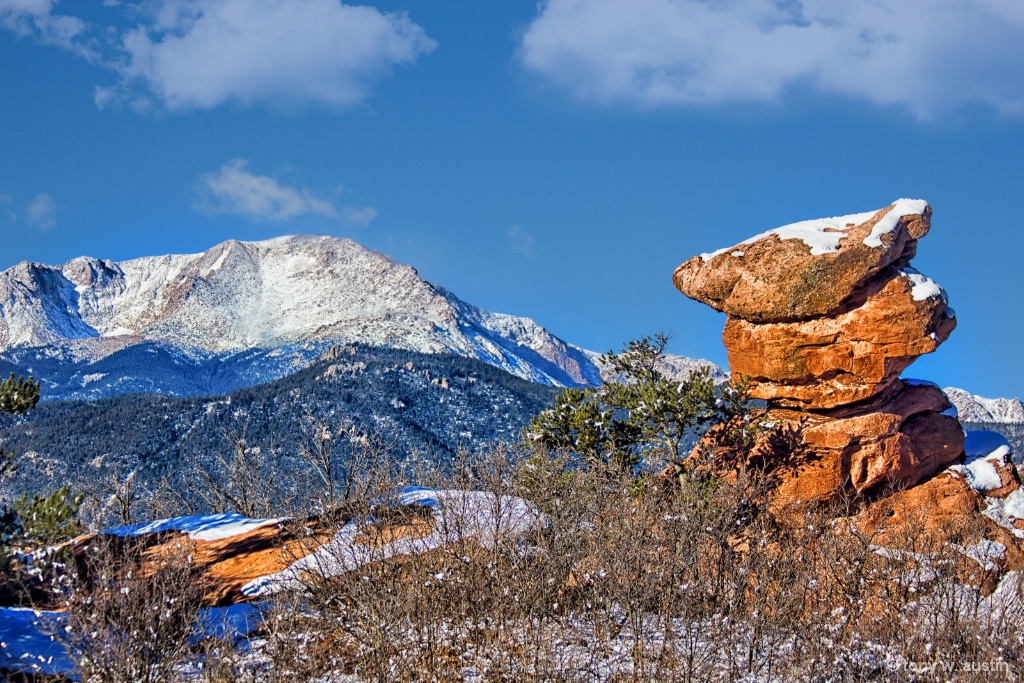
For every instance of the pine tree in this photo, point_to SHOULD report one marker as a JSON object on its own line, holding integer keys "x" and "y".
{"x": 49, "y": 519}
{"x": 32, "y": 520}
{"x": 641, "y": 413}
{"x": 17, "y": 396}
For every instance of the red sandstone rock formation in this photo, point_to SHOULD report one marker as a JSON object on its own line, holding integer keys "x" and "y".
{"x": 823, "y": 317}
{"x": 845, "y": 357}
{"x": 806, "y": 269}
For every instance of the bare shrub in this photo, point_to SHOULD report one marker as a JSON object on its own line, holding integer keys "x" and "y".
{"x": 130, "y": 614}
{"x": 243, "y": 481}
{"x": 618, "y": 579}
{"x": 347, "y": 464}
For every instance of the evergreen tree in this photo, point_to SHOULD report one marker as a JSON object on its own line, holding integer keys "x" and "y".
{"x": 49, "y": 519}
{"x": 16, "y": 396}
{"x": 641, "y": 413}
{"x": 37, "y": 520}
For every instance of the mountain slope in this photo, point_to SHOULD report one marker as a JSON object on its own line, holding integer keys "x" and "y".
{"x": 972, "y": 408}
{"x": 423, "y": 405}
{"x": 296, "y": 294}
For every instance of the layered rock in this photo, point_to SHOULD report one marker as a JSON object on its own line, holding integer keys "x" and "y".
{"x": 848, "y": 356}
{"x": 823, "y": 317}
{"x": 898, "y": 439}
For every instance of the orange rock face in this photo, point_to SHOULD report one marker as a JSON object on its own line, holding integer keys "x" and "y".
{"x": 847, "y": 357}
{"x": 823, "y": 317}
{"x": 897, "y": 440}
{"x": 772, "y": 279}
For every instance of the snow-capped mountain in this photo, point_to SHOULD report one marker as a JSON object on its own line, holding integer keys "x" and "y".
{"x": 971, "y": 408}
{"x": 297, "y": 293}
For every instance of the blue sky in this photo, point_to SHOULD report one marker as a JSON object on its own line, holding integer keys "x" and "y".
{"x": 553, "y": 160}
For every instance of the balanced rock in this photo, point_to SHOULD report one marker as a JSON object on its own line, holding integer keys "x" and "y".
{"x": 805, "y": 269}
{"x": 823, "y": 317}
{"x": 846, "y": 357}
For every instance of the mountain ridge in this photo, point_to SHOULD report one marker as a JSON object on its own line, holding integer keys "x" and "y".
{"x": 297, "y": 293}
{"x": 974, "y": 408}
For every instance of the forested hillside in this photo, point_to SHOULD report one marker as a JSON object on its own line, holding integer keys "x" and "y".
{"x": 425, "y": 405}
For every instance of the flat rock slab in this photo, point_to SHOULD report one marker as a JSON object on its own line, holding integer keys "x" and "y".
{"x": 807, "y": 269}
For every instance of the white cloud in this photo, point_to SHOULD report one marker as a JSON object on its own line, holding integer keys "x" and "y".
{"x": 930, "y": 56}
{"x": 198, "y": 54}
{"x": 35, "y": 18}
{"x": 234, "y": 190}
{"x": 361, "y": 216}
{"x": 185, "y": 55}
{"x": 41, "y": 212}
{"x": 520, "y": 241}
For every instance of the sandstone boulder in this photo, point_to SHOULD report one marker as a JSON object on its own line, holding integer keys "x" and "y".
{"x": 846, "y": 357}
{"x": 892, "y": 442}
{"x": 805, "y": 269}
{"x": 903, "y": 436}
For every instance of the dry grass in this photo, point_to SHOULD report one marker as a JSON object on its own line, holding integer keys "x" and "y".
{"x": 624, "y": 582}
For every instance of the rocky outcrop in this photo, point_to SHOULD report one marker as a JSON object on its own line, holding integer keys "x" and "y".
{"x": 238, "y": 559}
{"x": 824, "y": 316}
{"x": 895, "y": 440}
{"x": 845, "y": 357}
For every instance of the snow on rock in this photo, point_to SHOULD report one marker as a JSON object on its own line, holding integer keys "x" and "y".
{"x": 923, "y": 286}
{"x": 1004, "y": 511}
{"x": 823, "y": 235}
{"x": 901, "y": 208}
{"x": 985, "y": 452}
{"x": 198, "y": 527}
{"x": 974, "y": 408}
{"x": 456, "y": 515}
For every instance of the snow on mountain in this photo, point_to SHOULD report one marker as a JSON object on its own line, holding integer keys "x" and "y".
{"x": 973, "y": 408}
{"x": 282, "y": 292}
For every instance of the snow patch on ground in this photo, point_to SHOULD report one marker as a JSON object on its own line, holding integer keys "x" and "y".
{"x": 985, "y": 451}
{"x": 198, "y": 527}
{"x": 27, "y": 641}
{"x": 984, "y": 552}
{"x": 457, "y": 515}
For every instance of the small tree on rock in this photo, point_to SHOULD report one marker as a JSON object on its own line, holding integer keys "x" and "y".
{"x": 640, "y": 413}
